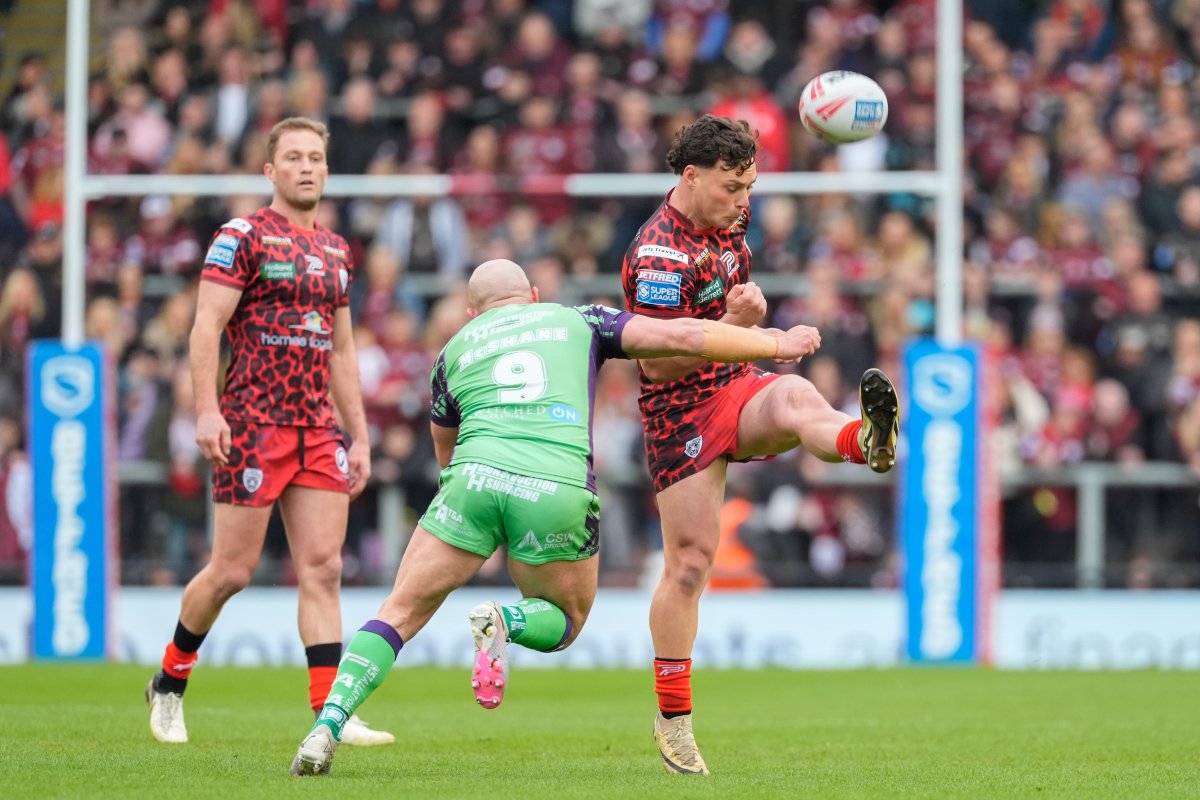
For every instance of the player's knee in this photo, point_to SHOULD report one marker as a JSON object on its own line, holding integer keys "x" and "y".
{"x": 229, "y": 579}
{"x": 325, "y": 571}
{"x": 688, "y": 570}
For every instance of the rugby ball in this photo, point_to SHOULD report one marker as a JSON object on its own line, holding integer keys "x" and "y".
{"x": 842, "y": 107}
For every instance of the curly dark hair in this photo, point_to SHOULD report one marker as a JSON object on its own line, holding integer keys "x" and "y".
{"x": 712, "y": 140}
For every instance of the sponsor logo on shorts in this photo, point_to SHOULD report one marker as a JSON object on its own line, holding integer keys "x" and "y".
{"x": 315, "y": 265}
{"x": 692, "y": 447}
{"x": 551, "y": 541}
{"x": 712, "y": 291}
{"x": 343, "y": 462}
{"x": 279, "y": 240}
{"x": 252, "y": 479}
{"x": 239, "y": 224}
{"x": 655, "y": 288}
{"x": 658, "y": 251}
{"x": 278, "y": 271}
{"x": 446, "y": 514}
{"x": 481, "y": 477}
{"x": 222, "y": 251}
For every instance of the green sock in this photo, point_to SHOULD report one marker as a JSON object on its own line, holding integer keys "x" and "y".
{"x": 367, "y": 662}
{"x": 536, "y": 624}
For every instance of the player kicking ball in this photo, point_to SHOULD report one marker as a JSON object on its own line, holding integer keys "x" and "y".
{"x": 513, "y": 395}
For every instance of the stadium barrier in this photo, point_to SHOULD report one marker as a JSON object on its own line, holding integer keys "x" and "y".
{"x": 1091, "y": 480}
{"x": 825, "y": 630}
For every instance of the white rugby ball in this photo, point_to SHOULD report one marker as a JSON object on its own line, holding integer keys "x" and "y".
{"x": 842, "y": 107}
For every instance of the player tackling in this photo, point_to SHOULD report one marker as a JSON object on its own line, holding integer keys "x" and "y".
{"x": 690, "y": 260}
{"x": 513, "y": 394}
{"x": 279, "y": 286}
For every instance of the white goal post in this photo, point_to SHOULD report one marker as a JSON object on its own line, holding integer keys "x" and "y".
{"x": 944, "y": 184}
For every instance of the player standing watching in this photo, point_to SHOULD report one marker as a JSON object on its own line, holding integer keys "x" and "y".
{"x": 512, "y": 407}
{"x": 278, "y": 285}
{"x": 690, "y": 260}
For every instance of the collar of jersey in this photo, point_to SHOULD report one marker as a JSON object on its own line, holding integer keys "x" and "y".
{"x": 270, "y": 212}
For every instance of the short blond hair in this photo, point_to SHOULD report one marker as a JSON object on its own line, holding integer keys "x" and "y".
{"x": 295, "y": 124}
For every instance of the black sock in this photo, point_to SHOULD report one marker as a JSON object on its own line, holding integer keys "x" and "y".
{"x": 187, "y": 641}
{"x": 674, "y": 714}
{"x": 324, "y": 655}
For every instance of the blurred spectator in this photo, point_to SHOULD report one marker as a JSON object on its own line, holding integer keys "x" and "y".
{"x": 428, "y": 235}
{"x": 539, "y": 52}
{"x": 357, "y": 137}
{"x": 163, "y": 245}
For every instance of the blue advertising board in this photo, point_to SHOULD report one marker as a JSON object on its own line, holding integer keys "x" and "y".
{"x": 68, "y": 410}
{"x": 940, "y": 503}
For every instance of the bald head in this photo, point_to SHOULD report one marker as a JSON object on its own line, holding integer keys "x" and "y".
{"x": 496, "y": 283}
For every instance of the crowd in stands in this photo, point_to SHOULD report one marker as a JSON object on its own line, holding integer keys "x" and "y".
{"x": 1081, "y": 266}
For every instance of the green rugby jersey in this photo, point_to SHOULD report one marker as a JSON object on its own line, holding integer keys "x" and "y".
{"x": 519, "y": 383}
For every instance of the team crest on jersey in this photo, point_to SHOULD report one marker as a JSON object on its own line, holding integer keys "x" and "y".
{"x": 343, "y": 462}
{"x": 730, "y": 262}
{"x": 704, "y": 254}
{"x": 315, "y": 265}
{"x": 692, "y": 448}
{"x": 655, "y": 288}
{"x": 252, "y": 479}
{"x": 334, "y": 251}
{"x": 239, "y": 224}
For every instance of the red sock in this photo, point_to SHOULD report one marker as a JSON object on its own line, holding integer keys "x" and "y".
{"x": 847, "y": 443}
{"x": 177, "y": 663}
{"x": 673, "y": 682}
{"x": 320, "y": 680}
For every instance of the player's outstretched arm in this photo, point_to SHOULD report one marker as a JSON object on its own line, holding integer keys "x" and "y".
{"x": 647, "y": 337}
{"x": 745, "y": 307}
{"x": 347, "y": 396}
{"x": 215, "y": 304}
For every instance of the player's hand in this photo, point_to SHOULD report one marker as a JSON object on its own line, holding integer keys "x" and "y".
{"x": 745, "y": 305}
{"x": 359, "y": 460}
{"x": 798, "y": 342}
{"x": 214, "y": 438}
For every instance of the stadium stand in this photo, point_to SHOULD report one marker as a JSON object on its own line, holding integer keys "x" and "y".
{"x": 1082, "y": 260}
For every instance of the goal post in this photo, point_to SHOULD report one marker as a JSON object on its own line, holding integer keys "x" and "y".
{"x": 944, "y": 185}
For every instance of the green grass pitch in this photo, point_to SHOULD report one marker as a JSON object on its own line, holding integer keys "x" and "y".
{"x": 81, "y": 731}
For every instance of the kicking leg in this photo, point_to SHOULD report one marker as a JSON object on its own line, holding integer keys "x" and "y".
{"x": 791, "y": 412}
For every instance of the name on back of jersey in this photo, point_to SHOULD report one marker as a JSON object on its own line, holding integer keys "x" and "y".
{"x": 655, "y": 288}
{"x": 556, "y": 334}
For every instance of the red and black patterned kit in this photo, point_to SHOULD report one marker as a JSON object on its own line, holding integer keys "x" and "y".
{"x": 673, "y": 269}
{"x": 276, "y": 398}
